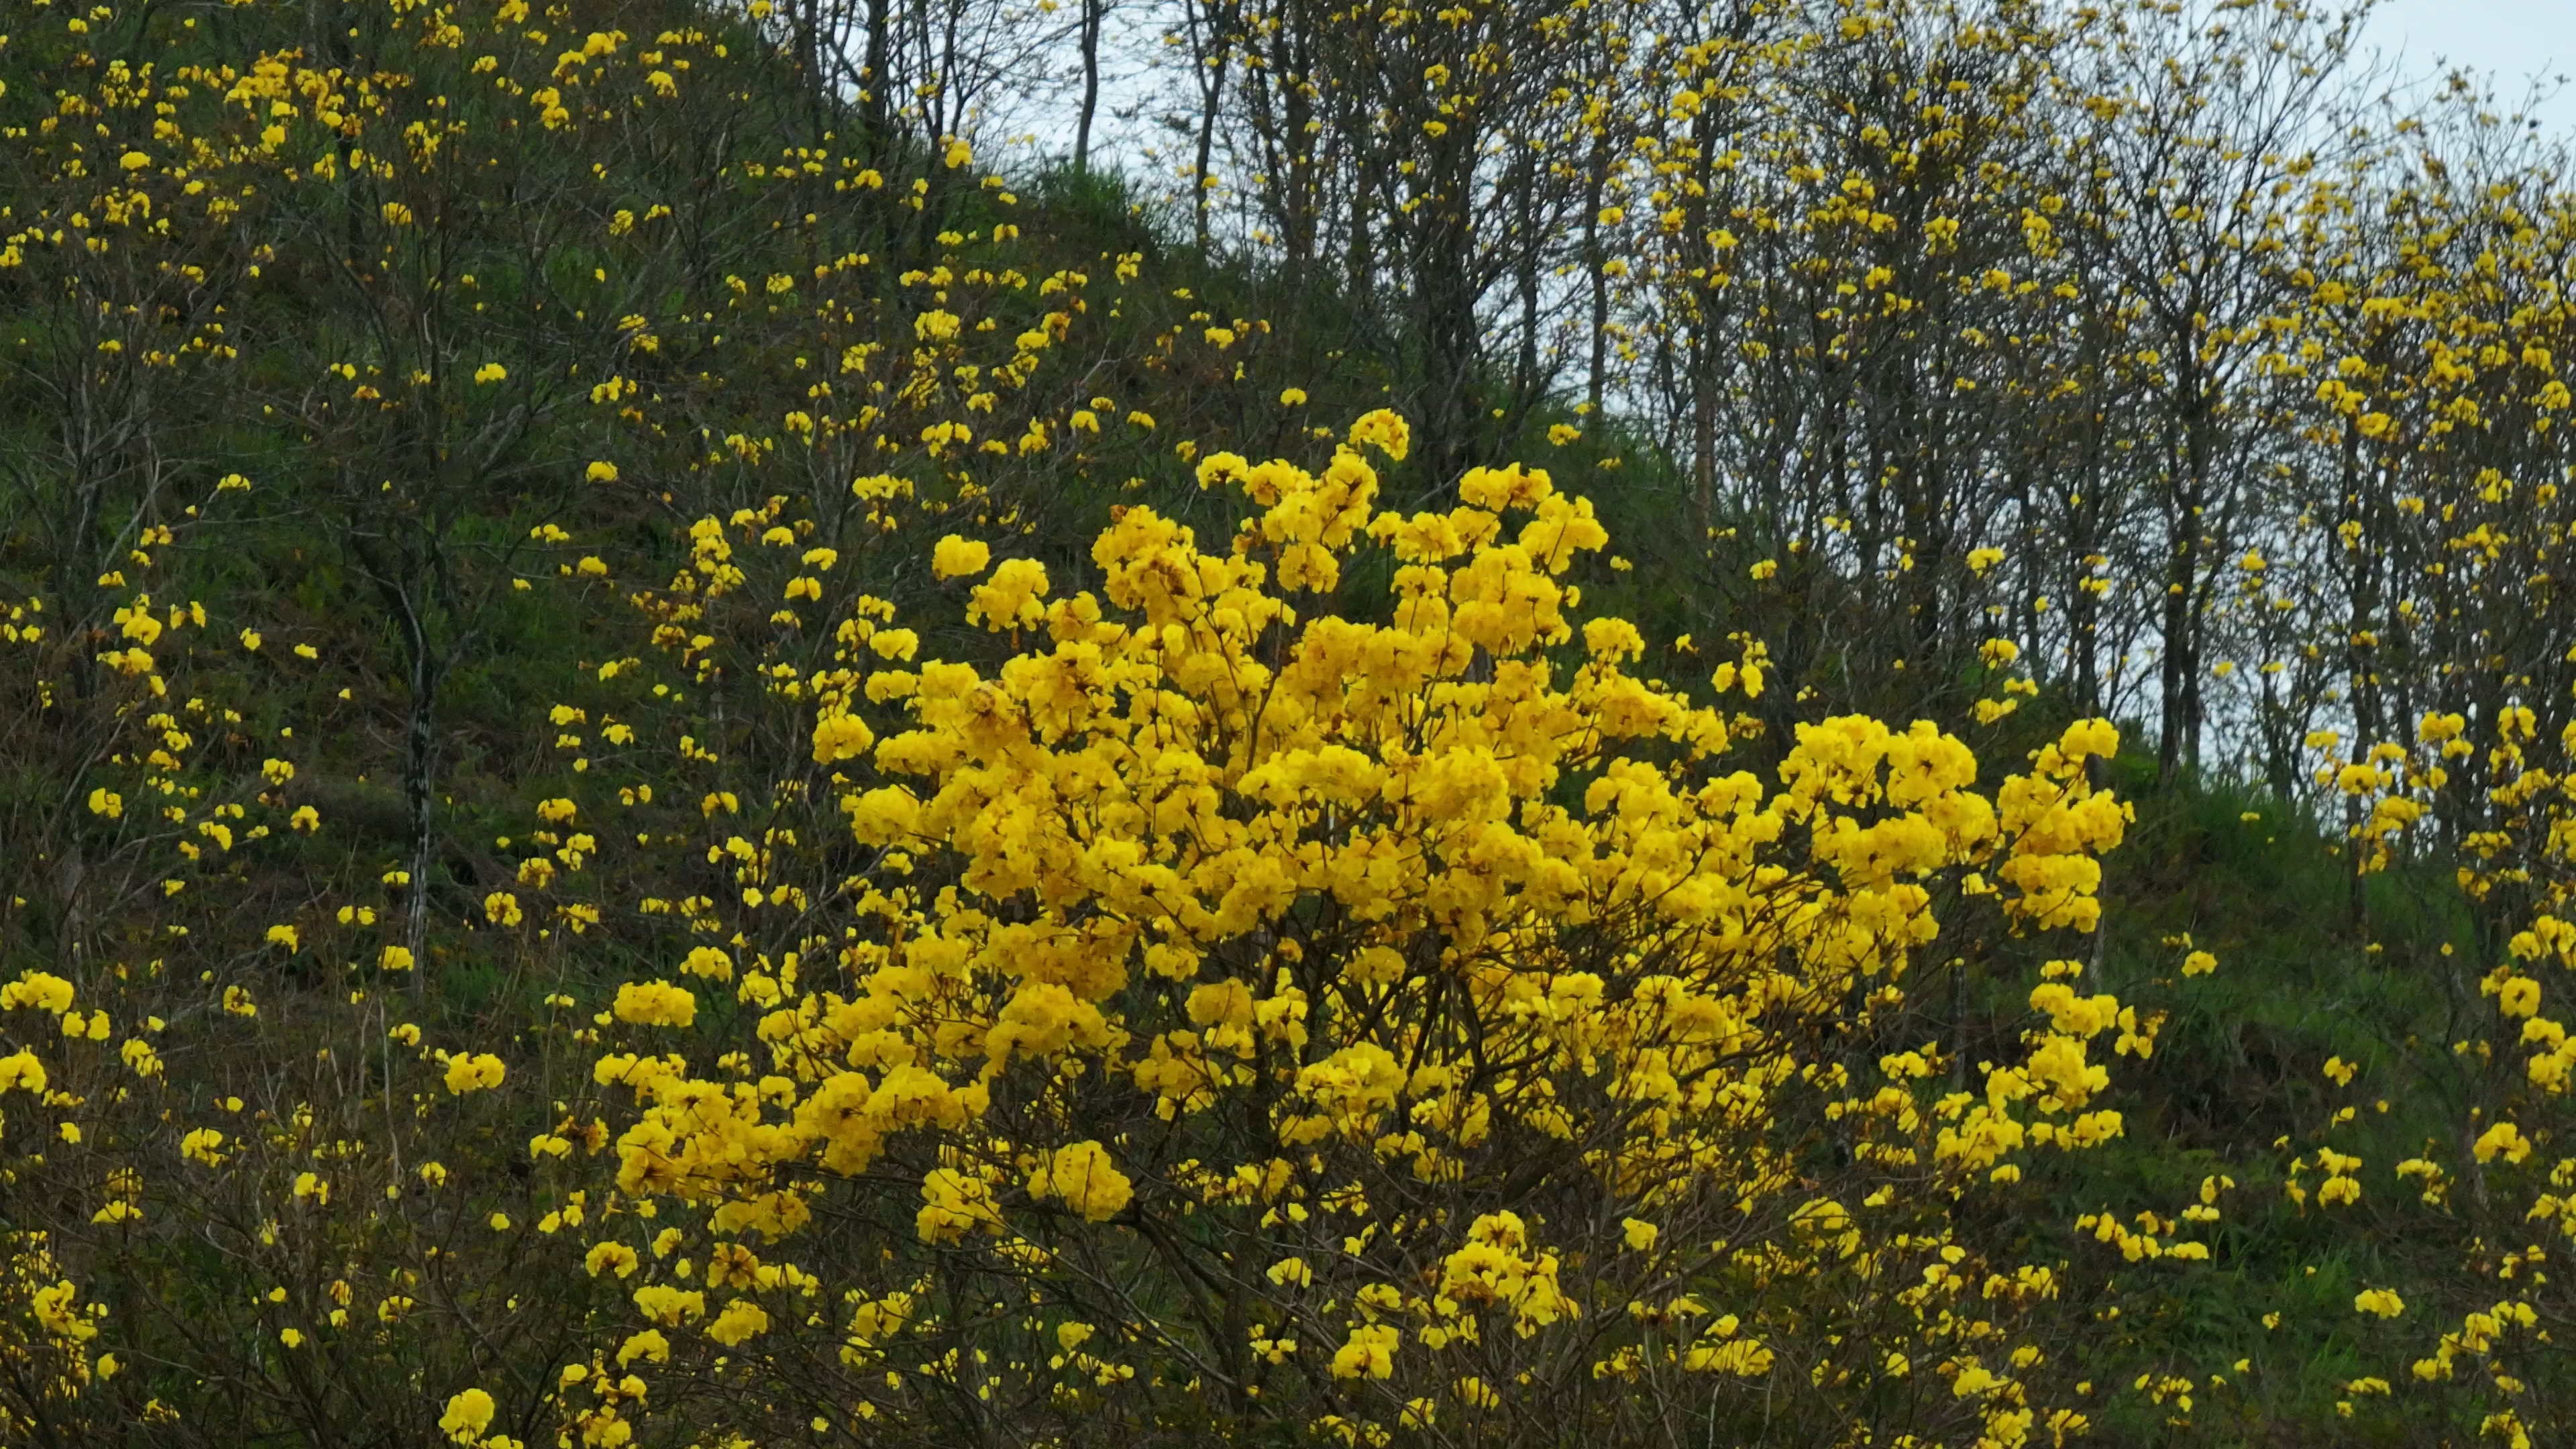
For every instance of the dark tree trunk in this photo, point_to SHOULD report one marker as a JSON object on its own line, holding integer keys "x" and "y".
{"x": 1211, "y": 103}
{"x": 874, "y": 109}
{"x": 1093, "y": 13}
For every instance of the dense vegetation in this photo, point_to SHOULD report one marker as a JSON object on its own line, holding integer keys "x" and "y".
{"x": 1832, "y": 723}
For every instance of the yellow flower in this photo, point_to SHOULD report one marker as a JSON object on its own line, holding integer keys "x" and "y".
{"x": 952, "y": 1205}
{"x": 1385, "y": 431}
{"x": 840, "y": 737}
{"x": 21, "y": 1071}
{"x": 600, "y": 472}
{"x": 1369, "y": 1353}
{"x": 655, "y": 1003}
{"x": 2518, "y": 997}
{"x": 2505, "y": 1140}
{"x": 474, "y": 1073}
{"x": 1010, "y": 600}
{"x": 490, "y": 372}
{"x": 670, "y": 1306}
{"x": 956, "y": 558}
{"x": 1746, "y": 1358}
{"x": 468, "y": 1415}
{"x": 2381, "y": 1301}
{"x": 740, "y": 1321}
{"x": 58, "y": 1315}
{"x": 1082, "y": 1177}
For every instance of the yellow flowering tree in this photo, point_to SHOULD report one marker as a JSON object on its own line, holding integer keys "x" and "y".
{"x": 1264, "y": 1000}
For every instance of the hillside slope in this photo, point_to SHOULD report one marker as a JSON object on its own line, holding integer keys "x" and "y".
{"x": 685, "y": 770}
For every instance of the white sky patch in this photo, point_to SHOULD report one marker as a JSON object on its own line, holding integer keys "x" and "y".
{"x": 2511, "y": 42}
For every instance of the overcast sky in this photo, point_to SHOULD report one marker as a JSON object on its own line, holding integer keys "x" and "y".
{"x": 2511, "y": 39}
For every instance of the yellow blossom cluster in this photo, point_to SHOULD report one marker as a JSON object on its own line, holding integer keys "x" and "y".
{"x": 1222, "y": 919}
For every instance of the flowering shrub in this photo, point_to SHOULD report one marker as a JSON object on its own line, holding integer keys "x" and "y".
{"x": 1397, "y": 1011}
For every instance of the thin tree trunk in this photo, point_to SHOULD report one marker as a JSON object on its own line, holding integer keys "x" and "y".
{"x": 1093, "y": 13}
{"x": 1212, "y": 95}
{"x": 419, "y": 777}
{"x": 1525, "y": 260}
{"x": 873, "y": 107}
{"x": 1300, "y": 211}
{"x": 1593, "y": 261}
{"x": 420, "y": 764}
{"x": 1359, "y": 286}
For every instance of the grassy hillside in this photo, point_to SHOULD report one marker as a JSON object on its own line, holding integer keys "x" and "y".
{"x": 515, "y": 939}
